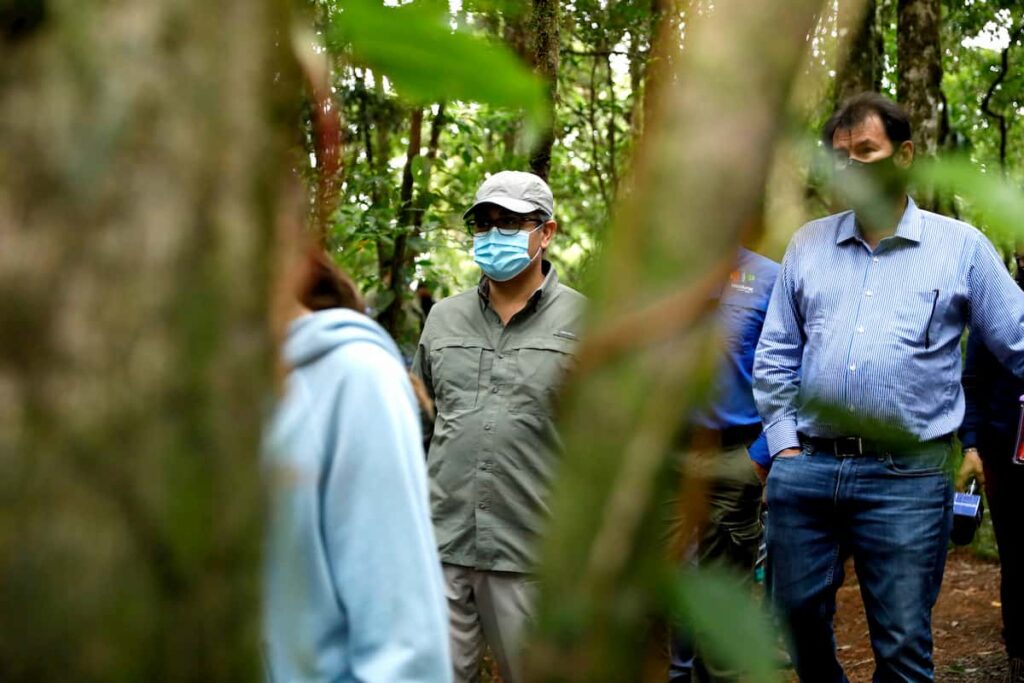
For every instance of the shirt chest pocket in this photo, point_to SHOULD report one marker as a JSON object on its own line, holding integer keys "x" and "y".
{"x": 541, "y": 365}
{"x": 456, "y": 368}
{"x": 920, "y": 321}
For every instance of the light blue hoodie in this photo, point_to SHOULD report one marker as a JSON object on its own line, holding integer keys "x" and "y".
{"x": 353, "y": 586}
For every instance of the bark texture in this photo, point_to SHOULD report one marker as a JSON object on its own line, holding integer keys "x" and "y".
{"x": 544, "y": 34}
{"x": 697, "y": 180}
{"x": 861, "y": 68}
{"x": 919, "y": 70}
{"x": 141, "y": 161}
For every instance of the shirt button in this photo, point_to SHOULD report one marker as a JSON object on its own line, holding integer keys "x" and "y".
{"x": 501, "y": 356}
{"x": 850, "y": 407}
{"x": 853, "y": 367}
{"x": 487, "y": 427}
{"x": 875, "y": 259}
{"x": 482, "y": 506}
{"x": 494, "y": 390}
{"x": 868, "y": 292}
{"x": 860, "y": 329}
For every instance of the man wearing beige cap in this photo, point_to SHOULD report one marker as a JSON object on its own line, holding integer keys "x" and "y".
{"x": 492, "y": 358}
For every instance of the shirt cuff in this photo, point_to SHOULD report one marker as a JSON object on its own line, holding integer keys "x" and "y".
{"x": 969, "y": 438}
{"x": 781, "y": 435}
{"x": 758, "y": 452}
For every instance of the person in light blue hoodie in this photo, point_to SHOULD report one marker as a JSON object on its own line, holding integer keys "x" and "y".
{"x": 353, "y": 588}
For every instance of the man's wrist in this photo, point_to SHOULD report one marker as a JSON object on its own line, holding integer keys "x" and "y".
{"x": 971, "y": 449}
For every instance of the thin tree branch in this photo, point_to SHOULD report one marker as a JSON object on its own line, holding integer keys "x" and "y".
{"x": 436, "y": 126}
{"x": 594, "y": 145}
{"x": 597, "y": 53}
{"x": 391, "y": 315}
{"x": 987, "y": 101}
{"x": 613, "y": 171}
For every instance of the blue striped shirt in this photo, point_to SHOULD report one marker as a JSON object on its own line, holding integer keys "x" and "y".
{"x": 855, "y": 338}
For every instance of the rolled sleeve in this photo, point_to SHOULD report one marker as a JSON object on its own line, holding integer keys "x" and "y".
{"x": 782, "y": 435}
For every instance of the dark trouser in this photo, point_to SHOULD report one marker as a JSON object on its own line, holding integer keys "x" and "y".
{"x": 729, "y": 537}
{"x": 893, "y": 513}
{"x": 1004, "y": 488}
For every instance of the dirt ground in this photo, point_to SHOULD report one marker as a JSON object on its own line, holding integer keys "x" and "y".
{"x": 966, "y": 623}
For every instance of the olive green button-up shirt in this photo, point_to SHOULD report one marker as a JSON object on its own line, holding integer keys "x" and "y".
{"x": 493, "y": 445}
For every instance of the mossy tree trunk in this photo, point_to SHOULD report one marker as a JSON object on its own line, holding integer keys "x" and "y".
{"x": 919, "y": 78}
{"x": 860, "y": 68}
{"x": 144, "y": 149}
{"x": 544, "y": 39}
{"x": 697, "y": 181}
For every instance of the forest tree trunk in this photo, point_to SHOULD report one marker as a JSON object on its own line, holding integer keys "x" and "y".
{"x": 544, "y": 34}
{"x": 696, "y": 182}
{"x": 861, "y": 68}
{"x": 919, "y": 77}
{"x": 144, "y": 152}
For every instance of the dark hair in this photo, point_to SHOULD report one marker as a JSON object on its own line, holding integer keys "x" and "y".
{"x": 326, "y": 286}
{"x": 855, "y": 109}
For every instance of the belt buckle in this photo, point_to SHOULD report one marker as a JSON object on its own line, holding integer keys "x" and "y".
{"x": 852, "y": 441}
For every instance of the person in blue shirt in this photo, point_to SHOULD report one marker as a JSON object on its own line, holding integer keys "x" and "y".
{"x": 353, "y": 588}
{"x": 988, "y": 435}
{"x": 857, "y": 378}
{"x": 727, "y": 436}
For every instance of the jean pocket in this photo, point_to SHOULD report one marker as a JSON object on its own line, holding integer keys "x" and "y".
{"x": 805, "y": 450}
{"x": 919, "y": 464}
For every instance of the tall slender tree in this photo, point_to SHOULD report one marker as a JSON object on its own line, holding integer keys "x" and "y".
{"x": 695, "y": 184}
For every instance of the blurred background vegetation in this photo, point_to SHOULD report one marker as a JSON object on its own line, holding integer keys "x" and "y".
{"x": 147, "y": 158}
{"x": 951, "y": 76}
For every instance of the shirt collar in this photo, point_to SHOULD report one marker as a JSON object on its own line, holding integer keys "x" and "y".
{"x": 546, "y": 288}
{"x": 909, "y": 227}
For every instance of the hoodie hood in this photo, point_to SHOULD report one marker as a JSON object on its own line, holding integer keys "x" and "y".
{"x": 316, "y": 334}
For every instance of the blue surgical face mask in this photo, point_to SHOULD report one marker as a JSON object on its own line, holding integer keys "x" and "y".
{"x": 502, "y": 257}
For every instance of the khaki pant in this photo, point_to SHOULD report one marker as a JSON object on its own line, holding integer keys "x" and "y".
{"x": 491, "y": 608}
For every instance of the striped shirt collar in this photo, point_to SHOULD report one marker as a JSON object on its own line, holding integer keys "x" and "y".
{"x": 908, "y": 229}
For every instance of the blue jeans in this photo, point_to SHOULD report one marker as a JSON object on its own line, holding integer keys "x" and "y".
{"x": 893, "y": 513}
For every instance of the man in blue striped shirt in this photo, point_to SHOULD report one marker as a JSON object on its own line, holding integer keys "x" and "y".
{"x": 857, "y": 378}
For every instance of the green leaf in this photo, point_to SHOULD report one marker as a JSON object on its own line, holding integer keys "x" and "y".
{"x": 997, "y": 204}
{"x": 418, "y": 244}
{"x": 421, "y": 170}
{"x": 414, "y": 46}
{"x": 381, "y": 299}
{"x": 717, "y": 609}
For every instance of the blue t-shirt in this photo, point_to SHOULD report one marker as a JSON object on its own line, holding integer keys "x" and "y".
{"x": 741, "y": 310}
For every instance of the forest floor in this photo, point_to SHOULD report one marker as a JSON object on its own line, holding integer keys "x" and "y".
{"x": 966, "y": 622}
